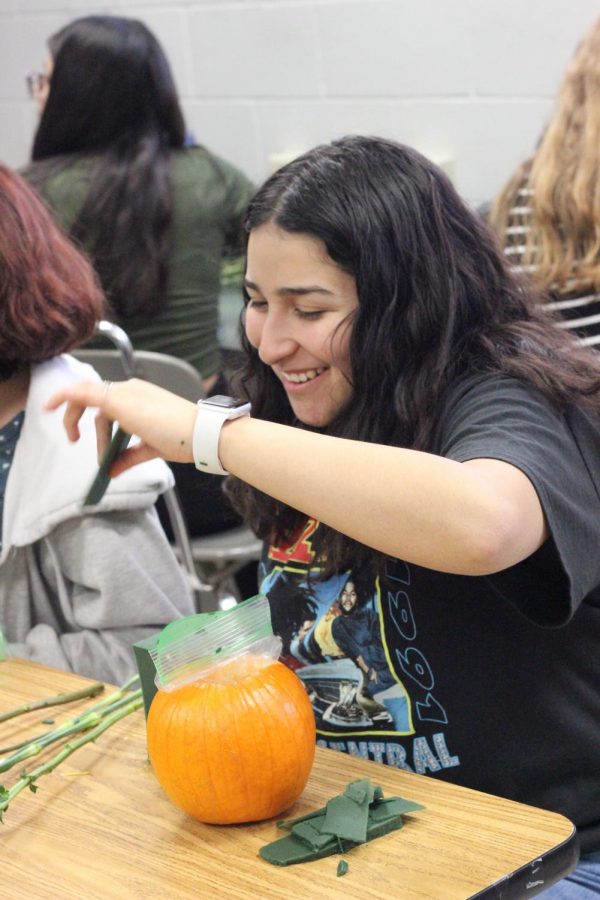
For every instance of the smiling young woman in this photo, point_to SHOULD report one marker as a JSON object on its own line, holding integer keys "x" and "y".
{"x": 422, "y": 431}
{"x": 298, "y": 318}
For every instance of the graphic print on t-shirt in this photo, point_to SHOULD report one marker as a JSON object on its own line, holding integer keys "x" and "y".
{"x": 332, "y": 637}
{"x": 371, "y": 698}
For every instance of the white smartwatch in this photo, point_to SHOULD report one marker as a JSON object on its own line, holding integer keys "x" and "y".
{"x": 210, "y": 418}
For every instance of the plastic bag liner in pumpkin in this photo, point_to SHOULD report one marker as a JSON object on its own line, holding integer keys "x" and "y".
{"x": 187, "y": 649}
{"x": 231, "y": 730}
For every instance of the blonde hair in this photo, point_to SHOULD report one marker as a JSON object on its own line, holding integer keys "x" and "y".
{"x": 562, "y": 239}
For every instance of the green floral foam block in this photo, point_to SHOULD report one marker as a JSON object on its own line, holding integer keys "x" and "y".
{"x": 361, "y": 813}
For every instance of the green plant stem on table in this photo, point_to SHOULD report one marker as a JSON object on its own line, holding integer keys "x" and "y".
{"x": 84, "y": 722}
{"x": 93, "y": 722}
{"x": 59, "y": 699}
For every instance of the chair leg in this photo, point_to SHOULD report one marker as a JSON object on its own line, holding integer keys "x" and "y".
{"x": 201, "y": 590}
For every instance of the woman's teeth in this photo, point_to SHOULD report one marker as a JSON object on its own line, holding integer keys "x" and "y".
{"x": 299, "y": 377}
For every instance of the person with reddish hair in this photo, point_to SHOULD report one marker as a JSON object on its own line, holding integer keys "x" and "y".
{"x": 77, "y": 585}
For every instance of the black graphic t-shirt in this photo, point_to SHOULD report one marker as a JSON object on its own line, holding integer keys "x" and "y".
{"x": 490, "y": 682}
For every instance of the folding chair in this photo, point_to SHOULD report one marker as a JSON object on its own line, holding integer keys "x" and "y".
{"x": 210, "y": 561}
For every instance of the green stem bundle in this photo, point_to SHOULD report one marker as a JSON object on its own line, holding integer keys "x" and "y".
{"x": 121, "y": 696}
{"x": 80, "y": 723}
{"x": 29, "y": 779}
{"x": 89, "y": 725}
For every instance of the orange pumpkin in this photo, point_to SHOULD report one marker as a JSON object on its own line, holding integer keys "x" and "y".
{"x": 237, "y": 745}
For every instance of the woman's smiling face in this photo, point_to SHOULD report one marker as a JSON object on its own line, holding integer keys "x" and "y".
{"x": 299, "y": 320}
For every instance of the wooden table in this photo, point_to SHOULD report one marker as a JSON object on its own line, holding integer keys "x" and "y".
{"x": 99, "y": 827}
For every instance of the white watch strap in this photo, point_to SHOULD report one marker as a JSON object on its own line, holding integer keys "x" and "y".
{"x": 207, "y": 430}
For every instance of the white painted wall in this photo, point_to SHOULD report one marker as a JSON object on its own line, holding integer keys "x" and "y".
{"x": 466, "y": 81}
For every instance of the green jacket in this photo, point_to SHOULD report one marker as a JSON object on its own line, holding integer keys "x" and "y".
{"x": 209, "y": 199}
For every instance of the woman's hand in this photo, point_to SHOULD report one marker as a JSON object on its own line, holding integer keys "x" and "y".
{"x": 163, "y": 421}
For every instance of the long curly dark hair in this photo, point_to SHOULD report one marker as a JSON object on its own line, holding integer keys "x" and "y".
{"x": 436, "y": 300}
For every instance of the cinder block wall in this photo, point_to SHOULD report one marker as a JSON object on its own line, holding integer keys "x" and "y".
{"x": 468, "y": 82}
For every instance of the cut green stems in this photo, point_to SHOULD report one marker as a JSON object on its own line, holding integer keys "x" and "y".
{"x": 80, "y": 723}
{"x": 109, "y": 699}
{"x": 29, "y": 779}
{"x": 110, "y": 702}
{"x": 59, "y": 699}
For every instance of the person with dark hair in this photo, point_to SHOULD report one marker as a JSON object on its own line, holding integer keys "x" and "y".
{"x": 418, "y": 426}
{"x": 547, "y": 215}
{"x": 155, "y": 215}
{"x": 77, "y": 586}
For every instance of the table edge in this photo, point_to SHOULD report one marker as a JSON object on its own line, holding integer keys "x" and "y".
{"x": 537, "y": 876}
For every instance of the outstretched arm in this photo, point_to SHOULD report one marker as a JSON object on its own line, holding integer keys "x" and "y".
{"x": 470, "y": 518}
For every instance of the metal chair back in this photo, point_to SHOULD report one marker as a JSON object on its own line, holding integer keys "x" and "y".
{"x": 210, "y": 561}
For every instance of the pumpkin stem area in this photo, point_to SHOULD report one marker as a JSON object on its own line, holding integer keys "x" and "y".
{"x": 234, "y": 671}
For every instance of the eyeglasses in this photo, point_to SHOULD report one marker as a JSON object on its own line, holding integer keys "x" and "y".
{"x": 36, "y": 82}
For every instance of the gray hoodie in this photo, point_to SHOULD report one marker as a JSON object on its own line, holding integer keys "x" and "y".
{"x": 78, "y": 587}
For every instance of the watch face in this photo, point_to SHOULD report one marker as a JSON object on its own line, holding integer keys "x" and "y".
{"x": 225, "y": 402}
